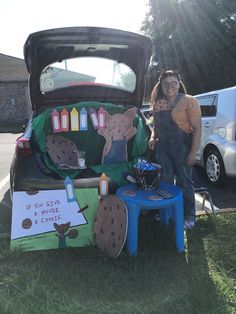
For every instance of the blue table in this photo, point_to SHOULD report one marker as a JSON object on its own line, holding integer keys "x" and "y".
{"x": 138, "y": 200}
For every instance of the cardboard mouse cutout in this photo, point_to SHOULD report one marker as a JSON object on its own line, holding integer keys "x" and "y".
{"x": 118, "y": 130}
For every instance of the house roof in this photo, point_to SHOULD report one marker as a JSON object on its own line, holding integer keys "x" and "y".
{"x": 12, "y": 69}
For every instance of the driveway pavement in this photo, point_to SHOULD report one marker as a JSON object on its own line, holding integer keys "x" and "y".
{"x": 7, "y": 147}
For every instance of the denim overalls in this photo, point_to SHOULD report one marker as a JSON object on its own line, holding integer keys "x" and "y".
{"x": 117, "y": 152}
{"x": 171, "y": 151}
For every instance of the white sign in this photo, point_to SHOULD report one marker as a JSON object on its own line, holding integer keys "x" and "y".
{"x": 37, "y": 213}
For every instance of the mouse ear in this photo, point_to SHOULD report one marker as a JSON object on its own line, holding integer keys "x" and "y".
{"x": 130, "y": 114}
{"x": 108, "y": 115}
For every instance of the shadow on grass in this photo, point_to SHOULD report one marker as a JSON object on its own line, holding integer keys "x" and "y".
{"x": 209, "y": 259}
{"x": 83, "y": 280}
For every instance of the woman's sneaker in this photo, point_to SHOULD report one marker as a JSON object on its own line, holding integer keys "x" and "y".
{"x": 189, "y": 223}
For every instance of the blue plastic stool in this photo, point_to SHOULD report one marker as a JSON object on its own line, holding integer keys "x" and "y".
{"x": 140, "y": 200}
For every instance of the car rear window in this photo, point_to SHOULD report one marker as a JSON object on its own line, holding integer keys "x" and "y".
{"x": 87, "y": 71}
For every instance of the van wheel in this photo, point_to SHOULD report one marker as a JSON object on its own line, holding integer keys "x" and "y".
{"x": 214, "y": 168}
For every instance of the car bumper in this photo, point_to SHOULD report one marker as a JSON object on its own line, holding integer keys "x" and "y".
{"x": 26, "y": 175}
{"x": 36, "y": 185}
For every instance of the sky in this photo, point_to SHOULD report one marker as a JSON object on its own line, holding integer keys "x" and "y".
{"x": 19, "y": 18}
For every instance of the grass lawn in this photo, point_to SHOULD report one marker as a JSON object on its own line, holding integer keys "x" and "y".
{"x": 158, "y": 280}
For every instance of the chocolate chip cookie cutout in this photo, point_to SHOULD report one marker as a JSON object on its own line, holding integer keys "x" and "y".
{"x": 26, "y": 223}
{"x": 61, "y": 150}
{"x": 110, "y": 225}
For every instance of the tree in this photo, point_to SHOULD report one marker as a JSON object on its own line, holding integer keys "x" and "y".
{"x": 195, "y": 37}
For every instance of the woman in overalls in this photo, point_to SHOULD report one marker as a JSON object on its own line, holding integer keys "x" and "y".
{"x": 176, "y": 136}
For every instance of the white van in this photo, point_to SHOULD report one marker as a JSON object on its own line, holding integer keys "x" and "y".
{"x": 217, "y": 150}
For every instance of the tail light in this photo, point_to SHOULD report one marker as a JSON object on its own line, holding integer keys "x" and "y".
{"x": 23, "y": 148}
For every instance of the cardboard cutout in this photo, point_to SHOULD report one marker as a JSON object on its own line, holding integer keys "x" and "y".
{"x": 118, "y": 130}
{"x": 62, "y": 151}
{"x": 110, "y": 225}
{"x": 46, "y": 220}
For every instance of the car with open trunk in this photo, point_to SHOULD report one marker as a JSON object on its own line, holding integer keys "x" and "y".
{"x": 78, "y": 68}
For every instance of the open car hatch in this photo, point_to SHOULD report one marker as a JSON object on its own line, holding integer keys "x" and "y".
{"x": 49, "y": 55}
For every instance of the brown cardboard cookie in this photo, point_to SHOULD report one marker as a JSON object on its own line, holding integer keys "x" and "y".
{"x": 26, "y": 223}
{"x": 155, "y": 197}
{"x": 110, "y": 225}
{"x": 61, "y": 150}
{"x": 129, "y": 193}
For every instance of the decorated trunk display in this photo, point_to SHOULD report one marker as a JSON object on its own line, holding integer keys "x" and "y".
{"x": 80, "y": 137}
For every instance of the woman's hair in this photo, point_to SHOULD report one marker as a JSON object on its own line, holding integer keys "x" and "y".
{"x": 157, "y": 92}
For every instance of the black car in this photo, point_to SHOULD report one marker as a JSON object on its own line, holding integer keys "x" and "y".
{"x": 76, "y": 65}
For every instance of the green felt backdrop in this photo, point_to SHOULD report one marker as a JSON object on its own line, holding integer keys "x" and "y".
{"x": 90, "y": 141}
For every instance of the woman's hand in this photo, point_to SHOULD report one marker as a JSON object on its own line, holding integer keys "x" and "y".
{"x": 151, "y": 144}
